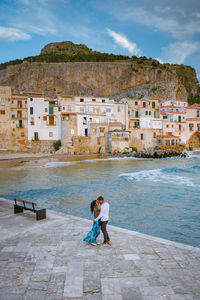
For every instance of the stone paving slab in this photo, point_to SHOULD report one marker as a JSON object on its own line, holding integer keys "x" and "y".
{"x": 48, "y": 260}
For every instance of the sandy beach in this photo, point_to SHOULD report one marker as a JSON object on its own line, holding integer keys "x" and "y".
{"x": 12, "y": 159}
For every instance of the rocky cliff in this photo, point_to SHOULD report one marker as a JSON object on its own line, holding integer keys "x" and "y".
{"x": 67, "y": 47}
{"x": 130, "y": 77}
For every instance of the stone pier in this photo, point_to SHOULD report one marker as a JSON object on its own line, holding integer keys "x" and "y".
{"x": 48, "y": 260}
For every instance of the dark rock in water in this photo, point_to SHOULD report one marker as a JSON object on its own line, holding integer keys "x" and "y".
{"x": 153, "y": 154}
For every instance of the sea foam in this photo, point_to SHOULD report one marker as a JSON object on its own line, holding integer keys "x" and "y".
{"x": 158, "y": 175}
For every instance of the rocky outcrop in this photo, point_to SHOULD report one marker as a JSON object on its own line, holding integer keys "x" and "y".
{"x": 67, "y": 47}
{"x": 136, "y": 77}
{"x": 154, "y": 153}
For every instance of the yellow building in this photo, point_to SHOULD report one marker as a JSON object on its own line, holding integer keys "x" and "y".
{"x": 19, "y": 120}
{"x": 5, "y": 130}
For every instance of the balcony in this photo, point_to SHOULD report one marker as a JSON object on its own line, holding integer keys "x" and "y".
{"x": 19, "y": 107}
{"x": 13, "y": 117}
{"x": 54, "y": 124}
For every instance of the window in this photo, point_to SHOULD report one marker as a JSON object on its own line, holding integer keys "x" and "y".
{"x": 144, "y": 104}
{"x": 97, "y": 120}
{"x": 3, "y": 90}
{"x": 146, "y": 113}
{"x": 68, "y": 107}
{"x": 72, "y": 131}
{"x": 153, "y": 104}
{"x": 50, "y": 134}
{"x": 45, "y": 110}
{"x": 2, "y": 100}
{"x": 167, "y": 142}
{"x": 22, "y": 134}
{"x": 149, "y": 113}
{"x": 2, "y": 112}
{"x": 172, "y": 126}
{"x": 136, "y": 103}
{"x": 94, "y": 130}
{"x": 154, "y": 135}
{"x": 179, "y": 118}
{"x": 141, "y": 136}
{"x": 94, "y": 100}
{"x": 108, "y": 110}
{"x": 102, "y": 130}
{"x": 45, "y": 118}
{"x": 31, "y": 99}
{"x": 136, "y": 114}
{"x": 167, "y": 126}
{"x": 82, "y": 108}
{"x": 103, "y": 100}
{"x": 198, "y": 126}
{"x": 179, "y": 127}
{"x": 81, "y": 100}
{"x": 164, "y": 117}
{"x": 119, "y": 108}
{"x": 63, "y": 108}
{"x": 20, "y": 124}
{"x": 191, "y": 126}
{"x": 31, "y": 110}
{"x": 51, "y": 110}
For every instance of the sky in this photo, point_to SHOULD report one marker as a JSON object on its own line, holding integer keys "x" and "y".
{"x": 167, "y": 30}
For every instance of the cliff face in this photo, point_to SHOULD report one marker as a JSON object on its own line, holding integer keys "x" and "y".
{"x": 116, "y": 79}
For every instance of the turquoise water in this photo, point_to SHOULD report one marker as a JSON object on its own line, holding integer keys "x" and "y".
{"x": 157, "y": 197}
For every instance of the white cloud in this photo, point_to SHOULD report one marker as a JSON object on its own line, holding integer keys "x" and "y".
{"x": 123, "y": 41}
{"x": 168, "y": 16}
{"x": 179, "y": 51}
{"x": 13, "y": 34}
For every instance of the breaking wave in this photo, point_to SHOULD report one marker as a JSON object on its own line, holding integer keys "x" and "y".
{"x": 166, "y": 175}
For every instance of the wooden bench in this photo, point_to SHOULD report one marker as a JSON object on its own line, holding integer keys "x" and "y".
{"x": 21, "y": 205}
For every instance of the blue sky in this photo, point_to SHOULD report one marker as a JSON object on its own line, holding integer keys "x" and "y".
{"x": 163, "y": 29}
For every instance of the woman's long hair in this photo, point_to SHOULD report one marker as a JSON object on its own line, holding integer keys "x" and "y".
{"x": 92, "y": 205}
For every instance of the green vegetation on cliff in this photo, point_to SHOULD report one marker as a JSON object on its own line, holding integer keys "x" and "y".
{"x": 57, "y": 58}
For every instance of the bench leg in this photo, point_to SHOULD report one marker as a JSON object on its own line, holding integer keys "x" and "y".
{"x": 41, "y": 214}
{"x": 18, "y": 209}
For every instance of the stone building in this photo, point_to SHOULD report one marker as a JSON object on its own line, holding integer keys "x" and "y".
{"x": 19, "y": 120}
{"x": 193, "y": 126}
{"x": 5, "y": 126}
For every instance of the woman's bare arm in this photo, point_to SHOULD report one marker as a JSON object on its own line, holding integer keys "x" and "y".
{"x": 96, "y": 212}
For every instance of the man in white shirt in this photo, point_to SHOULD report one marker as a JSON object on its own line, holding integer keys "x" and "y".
{"x": 104, "y": 217}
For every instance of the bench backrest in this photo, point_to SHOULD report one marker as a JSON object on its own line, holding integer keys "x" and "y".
{"x": 26, "y": 202}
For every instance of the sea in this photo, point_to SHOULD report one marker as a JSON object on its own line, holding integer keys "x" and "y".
{"x": 159, "y": 197}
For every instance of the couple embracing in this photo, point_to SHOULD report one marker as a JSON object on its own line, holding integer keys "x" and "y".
{"x": 100, "y": 209}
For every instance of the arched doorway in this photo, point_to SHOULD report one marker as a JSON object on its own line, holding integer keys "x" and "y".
{"x": 194, "y": 141}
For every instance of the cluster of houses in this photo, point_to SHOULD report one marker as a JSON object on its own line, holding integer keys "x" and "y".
{"x": 95, "y": 124}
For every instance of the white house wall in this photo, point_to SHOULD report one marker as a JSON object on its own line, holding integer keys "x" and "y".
{"x": 40, "y": 109}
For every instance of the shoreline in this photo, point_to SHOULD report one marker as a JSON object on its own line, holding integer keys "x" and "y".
{"x": 122, "y": 230}
{"x": 48, "y": 259}
{"x": 155, "y": 154}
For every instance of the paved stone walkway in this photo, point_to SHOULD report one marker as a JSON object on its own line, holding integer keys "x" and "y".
{"x": 48, "y": 260}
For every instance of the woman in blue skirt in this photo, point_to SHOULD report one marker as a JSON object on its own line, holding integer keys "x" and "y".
{"x": 95, "y": 231}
